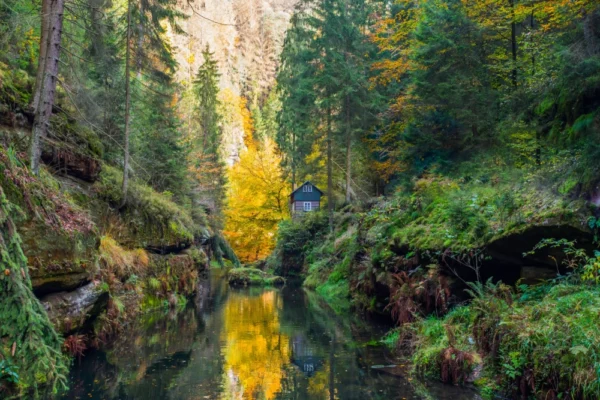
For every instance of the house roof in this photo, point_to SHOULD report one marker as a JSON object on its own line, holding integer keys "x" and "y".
{"x": 307, "y": 182}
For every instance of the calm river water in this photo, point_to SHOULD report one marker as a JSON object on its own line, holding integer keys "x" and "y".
{"x": 258, "y": 344}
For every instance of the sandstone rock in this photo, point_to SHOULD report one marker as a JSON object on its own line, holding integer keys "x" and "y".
{"x": 70, "y": 311}
{"x": 57, "y": 261}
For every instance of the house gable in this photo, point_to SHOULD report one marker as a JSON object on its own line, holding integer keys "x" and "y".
{"x": 306, "y": 192}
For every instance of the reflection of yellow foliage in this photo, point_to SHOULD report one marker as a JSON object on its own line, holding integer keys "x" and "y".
{"x": 258, "y": 201}
{"x": 318, "y": 385}
{"x": 255, "y": 350}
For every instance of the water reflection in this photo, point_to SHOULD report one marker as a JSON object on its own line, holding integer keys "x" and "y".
{"x": 254, "y": 349}
{"x": 247, "y": 345}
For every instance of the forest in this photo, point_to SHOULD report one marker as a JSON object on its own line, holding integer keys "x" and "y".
{"x": 146, "y": 143}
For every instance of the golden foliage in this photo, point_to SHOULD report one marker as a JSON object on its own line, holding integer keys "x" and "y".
{"x": 257, "y": 201}
{"x": 247, "y": 122}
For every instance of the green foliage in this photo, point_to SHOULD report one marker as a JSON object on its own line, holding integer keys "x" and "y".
{"x": 576, "y": 259}
{"x": 8, "y": 373}
{"x": 551, "y": 339}
{"x": 391, "y": 339}
{"x": 295, "y": 238}
{"x": 28, "y": 340}
{"x": 324, "y": 81}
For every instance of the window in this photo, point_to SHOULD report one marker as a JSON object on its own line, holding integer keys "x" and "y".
{"x": 307, "y": 206}
{"x": 307, "y": 188}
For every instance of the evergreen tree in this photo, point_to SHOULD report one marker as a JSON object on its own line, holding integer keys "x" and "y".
{"x": 207, "y": 160}
{"x": 325, "y": 86}
{"x": 206, "y": 88}
{"x": 152, "y": 55}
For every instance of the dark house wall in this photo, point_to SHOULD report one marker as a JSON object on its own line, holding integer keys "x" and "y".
{"x": 299, "y": 195}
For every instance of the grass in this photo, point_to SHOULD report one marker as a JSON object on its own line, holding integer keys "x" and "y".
{"x": 121, "y": 262}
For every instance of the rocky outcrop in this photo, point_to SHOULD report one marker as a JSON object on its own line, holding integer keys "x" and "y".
{"x": 58, "y": 261}
{"x": 70, "y": 311}
{"x": 73, "y": 164}
{"x": 510, "y": 258}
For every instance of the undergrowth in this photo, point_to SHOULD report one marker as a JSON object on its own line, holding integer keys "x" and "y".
{"x": 539, "y": 341}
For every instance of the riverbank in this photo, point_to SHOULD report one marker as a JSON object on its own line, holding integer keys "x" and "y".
{"x": 85, "y": 261}
{"x": 273, "y": 343}
{"x": 422, "y": 257}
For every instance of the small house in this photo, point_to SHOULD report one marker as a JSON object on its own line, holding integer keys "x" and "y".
{"x": 305, "y": 357}
{"x": 305, "y": 198}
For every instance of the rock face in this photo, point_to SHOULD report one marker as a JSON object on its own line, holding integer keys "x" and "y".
{"x": 57, "y": 261}
{"x": 79, "y": 166}
{"x": 509, "y": 261}
{"x": 70, "y": 311}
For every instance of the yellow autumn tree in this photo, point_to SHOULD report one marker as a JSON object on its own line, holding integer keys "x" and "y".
{"x": 257, "y": 201}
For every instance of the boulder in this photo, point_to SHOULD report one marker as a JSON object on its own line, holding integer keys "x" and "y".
{"x": 70, "y": 311}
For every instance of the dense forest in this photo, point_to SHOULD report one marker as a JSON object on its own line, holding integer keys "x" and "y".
{"x": 456, "y": 143}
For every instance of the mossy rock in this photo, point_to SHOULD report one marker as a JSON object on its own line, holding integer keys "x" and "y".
{"x": 58, "y": 261}
{"x": 172, "y": 273}
{"x": 72, "y": 149}
{"x": 253, "y": 277}
{"x": 59, "y": 238}
{"x": 149, "y": 220}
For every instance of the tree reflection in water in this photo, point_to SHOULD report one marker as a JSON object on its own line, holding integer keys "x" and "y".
{"x": 255, "y": 350}
{"x": 250, "y": 344}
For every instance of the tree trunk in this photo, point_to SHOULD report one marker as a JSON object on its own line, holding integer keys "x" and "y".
{"x": 127, "y": 105}
{"x": 47, "y": 87}
{"x": 330, "y": 203}
{"x": 45, "y": 27}
{"x": 590, "y": 25}
{"x": 293, "y": 161}
{"x": 513, "y": 39}
{"x": 140, "y": 47}
{"x": 348, "y": 155}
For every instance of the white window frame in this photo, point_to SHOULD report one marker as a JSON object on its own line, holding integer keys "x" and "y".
{"x": 309, "y": 204}
{"x": 307, "y": 189}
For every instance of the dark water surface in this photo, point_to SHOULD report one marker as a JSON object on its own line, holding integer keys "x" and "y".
{"x": 257, "y": 344}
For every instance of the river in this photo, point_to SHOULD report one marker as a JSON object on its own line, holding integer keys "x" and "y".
{"x": 252, "y": 343}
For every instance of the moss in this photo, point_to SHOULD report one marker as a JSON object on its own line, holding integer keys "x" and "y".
{"x": 16, "y": 86}
{"x": 71, "y": 136}
{"x": 252, "y": 277}
{"x": 150, "y": 218}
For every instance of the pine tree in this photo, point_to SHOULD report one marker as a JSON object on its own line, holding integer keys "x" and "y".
{"x": 325, "y": 86}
